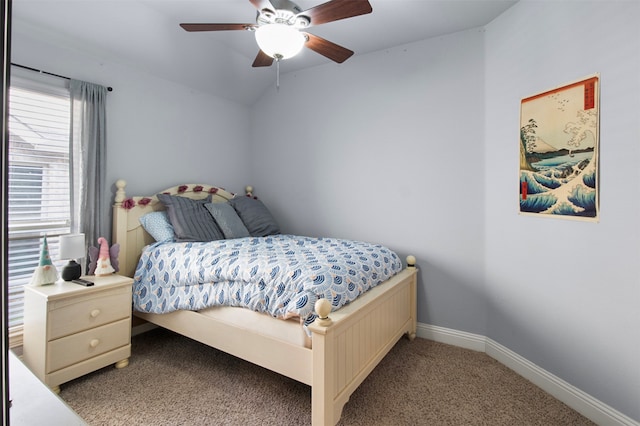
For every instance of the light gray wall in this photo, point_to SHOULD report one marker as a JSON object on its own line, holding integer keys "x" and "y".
{"x": 179, "y": 132}
{"x": 564, "y": 294}
{"x": 417, "y": 147}
{"x": 387, "y": 147}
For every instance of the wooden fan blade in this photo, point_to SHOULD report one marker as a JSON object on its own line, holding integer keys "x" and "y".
{"x": 216, "y": 27}
{"x": 335, "y": 10}
{"x": 326, "y": 48}
{"x": 262, "y": 60}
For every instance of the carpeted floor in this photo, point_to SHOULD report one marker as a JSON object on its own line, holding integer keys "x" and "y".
{"x": 172, "y": 380}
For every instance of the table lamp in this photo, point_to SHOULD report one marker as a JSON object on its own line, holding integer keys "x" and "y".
{"x": 72, "y": 248}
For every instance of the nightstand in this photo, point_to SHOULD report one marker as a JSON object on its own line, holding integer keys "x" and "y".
{"x": 71, "y": 330}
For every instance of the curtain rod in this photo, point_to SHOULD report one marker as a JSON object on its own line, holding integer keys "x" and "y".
{"x": 110, "y": 89}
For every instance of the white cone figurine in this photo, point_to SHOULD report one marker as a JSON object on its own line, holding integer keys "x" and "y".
{"x": 103, "y": 266}
{"x": 46, "y": 272}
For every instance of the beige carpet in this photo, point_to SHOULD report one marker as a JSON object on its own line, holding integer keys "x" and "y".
{"x": 172, "y": 380}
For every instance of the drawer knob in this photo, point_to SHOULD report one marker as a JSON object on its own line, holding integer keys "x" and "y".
{"x": 95, "y": 313}
{"x": 94, "y": 343}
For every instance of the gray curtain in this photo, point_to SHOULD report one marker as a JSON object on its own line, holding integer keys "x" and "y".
{"x": 88, "y": 130}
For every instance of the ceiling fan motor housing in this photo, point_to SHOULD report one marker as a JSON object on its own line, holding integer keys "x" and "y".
{"x": 286, "y": 5}
{"x": 283, "y": 12}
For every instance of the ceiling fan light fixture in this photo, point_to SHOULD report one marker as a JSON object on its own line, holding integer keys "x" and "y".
{"x": 280, "y": 41}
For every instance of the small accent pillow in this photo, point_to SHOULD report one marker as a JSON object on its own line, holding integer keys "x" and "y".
{"x": 228, "y": 220}
{"x": 190, "y": 219}
{"x": 255, "y": 216}
{"x": 157, "y": 224}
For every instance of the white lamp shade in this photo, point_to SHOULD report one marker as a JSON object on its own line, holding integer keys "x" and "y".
{"x": 279, "y": 40}
{"x": 72, "y": 246}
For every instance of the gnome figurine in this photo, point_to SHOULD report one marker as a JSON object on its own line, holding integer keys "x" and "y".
{"x": 46, "y": 272}
{"x": 103, "y": 265}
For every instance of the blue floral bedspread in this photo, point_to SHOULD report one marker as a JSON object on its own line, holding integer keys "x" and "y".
{"x": 282, "y": 275}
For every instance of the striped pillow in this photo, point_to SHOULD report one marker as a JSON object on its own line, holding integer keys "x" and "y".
{"x": 190, "y": 219}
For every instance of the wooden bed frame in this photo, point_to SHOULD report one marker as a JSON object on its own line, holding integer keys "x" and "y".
{"x": 346, "y": 346}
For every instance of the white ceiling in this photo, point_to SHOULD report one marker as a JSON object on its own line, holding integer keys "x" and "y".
{"x": 145, "y": 34}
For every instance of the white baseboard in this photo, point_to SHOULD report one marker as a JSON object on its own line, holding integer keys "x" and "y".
{"x": 462, "y": 339}
{"x": 590, "y": 407}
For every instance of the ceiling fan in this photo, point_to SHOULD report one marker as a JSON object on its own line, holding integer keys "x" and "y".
{"x": 279, "y": 28}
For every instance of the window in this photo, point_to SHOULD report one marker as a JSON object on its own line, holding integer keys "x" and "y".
{"x": 39, "y": 179}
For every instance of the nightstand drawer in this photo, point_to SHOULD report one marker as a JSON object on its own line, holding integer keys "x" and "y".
{"x": 87, "y": 313}
{"x": 78, "y": 347}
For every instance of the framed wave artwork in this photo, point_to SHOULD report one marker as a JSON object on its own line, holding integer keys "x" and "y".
{"x": 559, "y": 139}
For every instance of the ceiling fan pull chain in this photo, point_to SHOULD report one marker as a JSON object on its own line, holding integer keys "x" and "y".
{"x": 277, "y": 74}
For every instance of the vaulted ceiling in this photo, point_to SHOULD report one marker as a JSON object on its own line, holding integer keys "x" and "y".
{"x": 145, "y": 34}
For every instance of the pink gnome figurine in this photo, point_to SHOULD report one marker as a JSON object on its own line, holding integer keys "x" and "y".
{"x": 46, "y": 272}
{"x": 103, "y": 265}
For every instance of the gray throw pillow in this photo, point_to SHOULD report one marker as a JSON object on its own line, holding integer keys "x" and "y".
{"x": 255, "y": 216}
{"x": 228, "y": 220}
{"x": 190, "y": 219}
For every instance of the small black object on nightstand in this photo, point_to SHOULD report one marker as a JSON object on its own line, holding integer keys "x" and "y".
{"x": 82, "y": 282}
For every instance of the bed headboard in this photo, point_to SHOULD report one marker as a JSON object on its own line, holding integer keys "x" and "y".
{"x": 127, "y": 210}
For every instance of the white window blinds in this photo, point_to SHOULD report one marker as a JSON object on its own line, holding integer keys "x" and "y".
{"x": 39, "y": 179}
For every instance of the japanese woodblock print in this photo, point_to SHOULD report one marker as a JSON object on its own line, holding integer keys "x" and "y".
{"x": 559, "y": 151}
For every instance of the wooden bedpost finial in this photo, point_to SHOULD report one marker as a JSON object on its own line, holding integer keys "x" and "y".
{"x": 323, "y": 309}
{"x": 248, "y": 190}
{"x": 411, "y": 261}
{"x": 120, "y": 192}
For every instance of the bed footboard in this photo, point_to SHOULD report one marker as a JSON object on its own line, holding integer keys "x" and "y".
{"x": 349, "y": 345}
